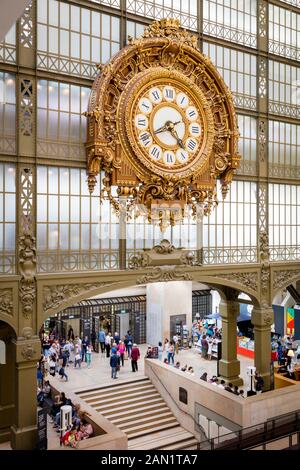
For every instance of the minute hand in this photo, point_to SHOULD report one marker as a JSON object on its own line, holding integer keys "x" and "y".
{"x": 175, "y": 135}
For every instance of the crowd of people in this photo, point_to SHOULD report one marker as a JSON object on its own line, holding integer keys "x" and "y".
{"x": 207, "y": 335}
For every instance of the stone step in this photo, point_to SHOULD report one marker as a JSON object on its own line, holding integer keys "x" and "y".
{"x": 156, "y": 404}
{"x": 123, "y": 403}
{"x": 114, "y": 397}
{"x": 159, "y": 439}
{"x": 110, "y": 388}
{"x": 136, "y": 414}
{"x": 188, "y": 443}
{"x": 149, "y": 428}
{"x": 126, "y": 426}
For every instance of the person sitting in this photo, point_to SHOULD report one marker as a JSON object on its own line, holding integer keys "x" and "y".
{"x": 228, "y": 388}
{"x": 177, "y": 365}
{"x": 86, "y": 429}
{"x": 184, "y": 368}
{"x": 191, "y": 371}
{"x": 204, "y": 377}
{"x": 149, "y": 352}
{"x": 212, "y": 379}
{"x": 222, "y": 384}
{"x": 235, "y": 390}
{"x": 71, "y": 438}
{"x": 241, "y": 393}
{"x": 166, "y": 361}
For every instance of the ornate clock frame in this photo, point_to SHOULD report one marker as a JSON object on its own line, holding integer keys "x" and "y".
{"x": 164, "y": 50}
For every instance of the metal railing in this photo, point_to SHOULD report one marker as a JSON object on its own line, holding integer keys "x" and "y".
{"x": 271, "y": 430}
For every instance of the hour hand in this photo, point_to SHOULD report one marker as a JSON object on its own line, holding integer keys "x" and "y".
{"x": 161, "y": 129}
{"x": 175, "y": 135}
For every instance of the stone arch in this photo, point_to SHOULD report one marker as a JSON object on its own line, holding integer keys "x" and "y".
{"x": 282, "y": 279}
{"x": 63, "y": 296}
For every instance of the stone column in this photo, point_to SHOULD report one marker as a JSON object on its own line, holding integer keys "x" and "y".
{"x": 24, "y": 429}
{"x": 262, "y": 319}
{"x": 165, "y": 299}
{"x": 7, "y": 383}
{"x": 229, "y": 365}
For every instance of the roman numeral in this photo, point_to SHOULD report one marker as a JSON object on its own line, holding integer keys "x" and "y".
{"x": 145, "y": 105}
{"x": 183, "y": 156}
{"x": 169, "y": 93}
{"x": 155, "y": 152}
{"x": 195, "y": 129}
{"x": 192, "y": 113}
{"x": 191, "y": 145}
{"x": 155, "y": 95}
{"x": 145, "y": 138}
{"x": 169, "y": 158}
{"x": 182, "y": 100}
{"x": 141, "y": 122}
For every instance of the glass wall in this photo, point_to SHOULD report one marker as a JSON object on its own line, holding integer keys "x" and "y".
{"x": 61, "y": 127}
{"x": 7, "y": 113}
{"x": 238, "y": 70}
{"x": 232, "y": 225}
{"x": 234, "y": 21}
{"x": 74, "y": 40}
{"x": 8, "y": 46}
{"x": 7, "y": 217}
{"x": 72, "y": 232}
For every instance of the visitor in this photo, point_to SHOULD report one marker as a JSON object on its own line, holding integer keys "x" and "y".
{"x": 62, "y": 373}
{"x": 52, "y": 365}
{"x": 191, "y": 370}
{"x": 101, "y": 338}
{"x": 85, "y": 430}
{"x": 176, "y": 343}
{"x": 171, "y": 353}
{"x": 39, "y": 376}
{"x": 241, "y": 394}
{"x": 279, "y": 353}
{"x": 166, "y": 346}
{"x": 236, "y": 390}
{"x": 107, "y": 344}
{"x": 160, "y": 351}
{"x": 212, "y": 379}
{"x": 116, "y": 338}
{"x": 128, "y": 343}
{"x": 135, "y": 355}
{"x": 177, "y": 365}
{"x": 121, "y": 350}
{"x": 209, "y": 351}
{"x": 166, "y": 361}
{"x": 77, "y": 359}
{"x": 114, "y": 362}
{"x": 222, "y": 384}
{"x": 228, "y": 388}
{"x": 184, "y": 368}
{"x": 71, "y": 334}
{"x": 204, "y": 377}
{"x": 89, "y": 356}
{"x": 204, "y": 347}
{"x": 259, "y": 382}
{"x": 84, "y": 345}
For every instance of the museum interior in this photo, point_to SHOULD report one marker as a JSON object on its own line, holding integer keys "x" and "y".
{"x": 149, "y": 217}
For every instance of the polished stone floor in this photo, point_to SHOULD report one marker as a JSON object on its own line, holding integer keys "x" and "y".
{"x": 100, "y": 373}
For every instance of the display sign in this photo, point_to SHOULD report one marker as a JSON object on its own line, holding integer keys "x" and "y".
{"x": 42, "y": 441}
{"x": 290, "y": 321}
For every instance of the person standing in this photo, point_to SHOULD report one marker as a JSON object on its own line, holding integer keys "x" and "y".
{"x": 209, "y": 351}
{"x": 128, "y": 342}
{"x": 107, "y": 344}
{"x": 117, "y": 338}
{"x": 114, "y": 362}
{"x": 89, "y": 356}
{"x": 204, "y": 347}
{"x": 121, "y": 350}
{"x": 171, "y": 353}
{"x": 160, "y": 351}
{"x": 135, "y": 355}
{"x": 101, "y": 337}
{"x": 84, "y": 346}
{"x": 176, "y": 343}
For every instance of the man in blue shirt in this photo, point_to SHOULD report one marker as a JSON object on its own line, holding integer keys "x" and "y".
{"x": 114, "y": 362}
{"x": 101, "y": 336}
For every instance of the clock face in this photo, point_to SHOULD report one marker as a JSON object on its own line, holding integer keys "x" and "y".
{"x": 168, "y": 125}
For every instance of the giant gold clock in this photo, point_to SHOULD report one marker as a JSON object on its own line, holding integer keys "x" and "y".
{"x": 163, "y": 124}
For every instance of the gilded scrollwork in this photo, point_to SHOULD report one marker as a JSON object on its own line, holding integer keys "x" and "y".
{"x": 164, "y": 275}
{"x": 27, "y": 267}
{"x": 248, "y": 280}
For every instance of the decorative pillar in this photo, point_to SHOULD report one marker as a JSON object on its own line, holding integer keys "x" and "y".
{"x": 262, "y": 319}
{"x": 7, "y": 384}
{"x": 229, "y": 365}
{"x": 27, "y": 353}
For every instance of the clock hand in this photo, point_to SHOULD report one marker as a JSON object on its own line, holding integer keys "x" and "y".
{"x": 161, "y": 129}
{"x": 175, "y": 135}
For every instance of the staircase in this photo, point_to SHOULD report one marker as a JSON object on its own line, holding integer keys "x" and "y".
{"x": 139, "y": 411}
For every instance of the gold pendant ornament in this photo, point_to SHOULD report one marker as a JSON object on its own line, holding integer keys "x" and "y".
{"x": 162, "y": 127}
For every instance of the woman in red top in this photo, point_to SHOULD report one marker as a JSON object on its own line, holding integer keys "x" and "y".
{"x": 135, "y": 355}
{"x": 121, "y": 350}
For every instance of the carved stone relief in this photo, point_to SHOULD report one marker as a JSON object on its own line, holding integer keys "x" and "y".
{"x": 164, "y": 275}
{"x": 6, "y": 301}
{"x": 249, "y": 280}
{"x": 282, "y": 278}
